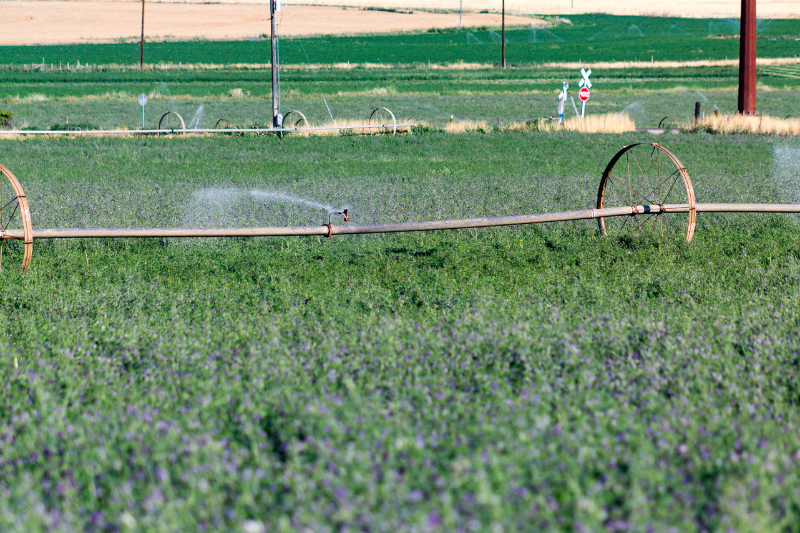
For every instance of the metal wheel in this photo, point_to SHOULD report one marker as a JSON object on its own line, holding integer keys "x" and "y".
{"x": 16, "y": 230}
{"x": 172, "y": 122}
{"x": 296, "y": 122}
{"x": 384, "y": 118}
{"x": 222, "y": 124}
{"x": 667, "y": 121}
{"x": 649, "y": 177}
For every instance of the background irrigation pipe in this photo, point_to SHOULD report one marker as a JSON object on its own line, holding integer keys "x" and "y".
{"x": 188, "y": 131}
{"x": 326, "y": 230}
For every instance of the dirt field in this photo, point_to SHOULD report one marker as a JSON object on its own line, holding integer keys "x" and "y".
{"x": 70, "y": 22}
{"x": 67, "y": 21}
{"x": 682, "y": 8}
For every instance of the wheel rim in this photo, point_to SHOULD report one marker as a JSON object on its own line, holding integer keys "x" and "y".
{"x": 15, "y": 217}
{"x": 383, "y": 117}
{"x": 172, "y": 121}
{"x": 647, "y": 174}
{"x": 297, "y": 122}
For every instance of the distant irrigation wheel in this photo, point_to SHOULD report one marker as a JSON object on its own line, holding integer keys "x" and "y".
{"x": 222, "y": 124}
{"x": 295, "y": 120}
{"x": 666, "y": 122}
{"x": 647, "y": 174}
{"x": 384, "y": 118}
{"x": 14, "y": 214}
{"x": 172, "y": 122}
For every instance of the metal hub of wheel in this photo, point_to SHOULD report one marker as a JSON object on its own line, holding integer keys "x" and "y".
{"x": 651, "y": 177}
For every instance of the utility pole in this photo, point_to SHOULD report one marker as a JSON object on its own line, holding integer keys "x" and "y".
{"x": 460, "y": 12}
{"x": 747, "y": 59}
{"x": 141, "y": 58}
{"x": 503, "y": 34}
{"x": 274, "y": 39}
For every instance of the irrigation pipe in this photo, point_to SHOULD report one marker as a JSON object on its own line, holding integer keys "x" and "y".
{"x": 643, "y": 171}
{"x": 399, "y": 227}
{"x": 205, "y": 130}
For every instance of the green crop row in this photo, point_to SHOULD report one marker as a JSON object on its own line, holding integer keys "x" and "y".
{"x": 587, "y": 38}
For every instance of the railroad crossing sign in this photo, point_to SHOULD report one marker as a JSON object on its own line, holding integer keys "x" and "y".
{"x": 563, "y": 95}
{"x": 585, "y": 81}
{"x": 585, "y": 85}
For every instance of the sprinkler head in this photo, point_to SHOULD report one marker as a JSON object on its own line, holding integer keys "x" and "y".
{"x": 343, "y": 213}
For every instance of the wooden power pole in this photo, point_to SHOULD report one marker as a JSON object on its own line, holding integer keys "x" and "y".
{"x": 274, "y": 40}
{"x": 141, "y": 57}
{"x": 747, "y": 58}
{"x": 503, "y": 34}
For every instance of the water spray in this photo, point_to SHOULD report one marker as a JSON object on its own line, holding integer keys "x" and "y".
{"x": 655, "y": 199}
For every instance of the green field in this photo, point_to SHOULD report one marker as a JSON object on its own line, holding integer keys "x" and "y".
{"x": 588, "y": 38}
{"x": 533, "y": 378}
{"x": 407, "y": 80}
{"x": 538, "y": 378}
{"x": 107, "y": 99}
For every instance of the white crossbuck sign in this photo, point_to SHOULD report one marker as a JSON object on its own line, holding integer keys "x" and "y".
{"x": 585, "y": 81}
{"x": 563, "y": 95}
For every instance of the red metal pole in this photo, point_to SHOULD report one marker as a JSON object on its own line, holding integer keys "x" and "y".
{"x": 747, "y": 59}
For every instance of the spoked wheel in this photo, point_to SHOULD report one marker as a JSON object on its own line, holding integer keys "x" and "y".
{"x": 16, "y": 230}
{"x": 222, "y": 124}
{"x": 294, "y": 120}
{"x": 384, "y": 118}
{"x": 172, "y": 122}
{"x": 650, "y": 179}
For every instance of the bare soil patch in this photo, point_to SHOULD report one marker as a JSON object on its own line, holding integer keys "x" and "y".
{"x": 677, "y": 8}
{"x": 87, "y": 22}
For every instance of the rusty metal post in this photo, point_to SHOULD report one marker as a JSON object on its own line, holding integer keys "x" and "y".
{"x": 696, "y": 113}
{"x": 141, "y": 58}
{"x": 274, "y": 40}
{"x": 747, "y": 58}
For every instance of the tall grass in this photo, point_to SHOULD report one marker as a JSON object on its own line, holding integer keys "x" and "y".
{"x": 764, "y": 125}
{"x": 606, "y": 123}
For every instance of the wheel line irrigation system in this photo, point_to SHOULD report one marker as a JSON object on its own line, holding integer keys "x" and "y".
{"x": 641, "y": 183}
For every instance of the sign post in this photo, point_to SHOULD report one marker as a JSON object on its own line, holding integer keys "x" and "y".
{"x": 585, "y": 85}
{"x": 562, "y": 101}
{"x": 583, "y": 94}
{"x": 142, "y": 102}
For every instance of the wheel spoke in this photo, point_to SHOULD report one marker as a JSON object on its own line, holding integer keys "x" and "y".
{"x": 644, "y": 176}
{"x": 9, "y": 202}
{"x": 666, "y": 196}
{"x": 649, "y": 218}
{"x": 8, "y": 220}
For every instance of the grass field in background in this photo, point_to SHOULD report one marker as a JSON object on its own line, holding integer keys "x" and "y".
{"x": 107, "y": 99}
{"x": 588, "y": 38}
{"x": 538, "y": 377}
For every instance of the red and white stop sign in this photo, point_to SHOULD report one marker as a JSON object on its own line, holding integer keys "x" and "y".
{"x": 583, "y": 94}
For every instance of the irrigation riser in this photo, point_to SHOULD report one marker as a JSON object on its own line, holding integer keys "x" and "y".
{"x": 634, "y": 216}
